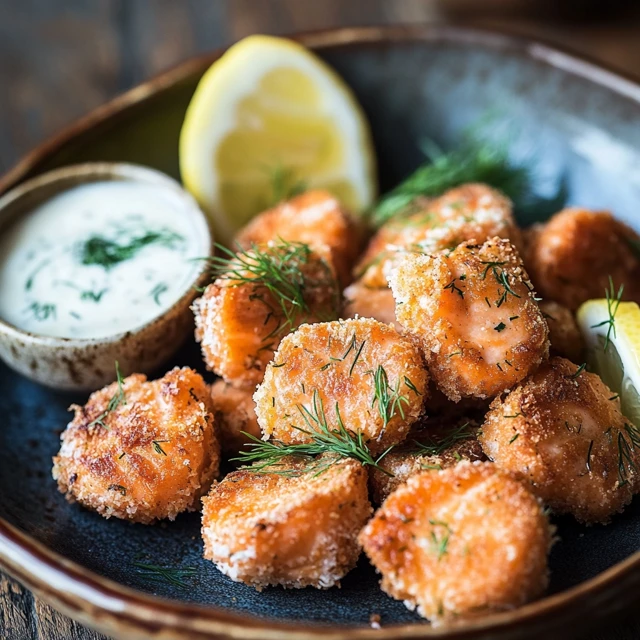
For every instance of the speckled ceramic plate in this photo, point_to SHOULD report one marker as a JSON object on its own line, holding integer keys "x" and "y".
{"x": 578, "y": 123}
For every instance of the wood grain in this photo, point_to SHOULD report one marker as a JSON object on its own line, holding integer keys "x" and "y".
{"x": 58, "y": 60}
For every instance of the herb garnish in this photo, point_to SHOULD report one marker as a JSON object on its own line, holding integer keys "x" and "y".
{"x": 625, "y": 458}
{"x": 118, "y": 399}
{"x": 435, "y": 445}
{"x": 501, "y": 326}
{"x": 157, "y": 291}
{"x": 42, "y": 311}
{"x": 324, "y": 439}
{"x": 613, "y": 302}
{"x": 454, "y": 288}
{"x": 389, "y": 401}
{"x": 157, "y": 448}
{"x": 107, "y": 253}
{"x": 578, "y": 371}
{"x": 284, "y": 184}
{"x": 440, "y": 543}
{"x": 156, "y": 573}
{"x": 277, "y": 268}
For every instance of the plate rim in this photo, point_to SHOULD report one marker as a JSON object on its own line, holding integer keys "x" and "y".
{"x": 113, "y": 608}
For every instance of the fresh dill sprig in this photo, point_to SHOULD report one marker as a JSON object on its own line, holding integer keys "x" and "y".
{"x": 474, "y": 161}
{"x": 158, "y": 448}
{"x": 613, "y": 302}
{"x": 117, "y": 399}
{"x": 278, "y": 268}
{"x": 266, "y": 456}
{"x": 389, "y": 401}
{"x": 172, "y": 575}
{"x": 284, "y": 184}
{"x": 435, "y": 445}
{"x": 106, "y": 253}
{"x": 626, "y": 462}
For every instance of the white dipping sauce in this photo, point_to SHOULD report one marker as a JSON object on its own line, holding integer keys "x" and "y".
{"x": 97, "y": 260}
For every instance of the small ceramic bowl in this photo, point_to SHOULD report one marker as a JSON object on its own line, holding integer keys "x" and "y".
{"x": 88, "y": 364}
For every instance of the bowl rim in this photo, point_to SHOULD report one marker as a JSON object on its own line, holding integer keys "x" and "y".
{"x": 114, "y": 608}
{"x": 88, "y": 173}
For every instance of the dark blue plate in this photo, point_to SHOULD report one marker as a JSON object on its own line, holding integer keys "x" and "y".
{"x": 574, "y": 123}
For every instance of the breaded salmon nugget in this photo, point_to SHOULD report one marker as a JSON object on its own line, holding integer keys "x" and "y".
{"x": 470, "y": 212}
{"x": 315, "y": 218}
{"x": 564, "y": 335}
{"x": 437, "y": 444}
{"x": 258, "y": 297}
{"x": 362, "y": 301}
{"x": 572, "y": 257}
{"x": 562, "y": 431}
{"x": 475, "y": 315}
{"x": 235, "y": 415}
{"x": 460, "y": 543}
{"x": 141, "y": 451}
{"x": 292, "y": 529}
{"x": 360, "y": 374}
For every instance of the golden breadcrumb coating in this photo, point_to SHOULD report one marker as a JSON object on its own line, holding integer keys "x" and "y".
{"x": 362, "y": 301}
{"x": 314, "y": 218}
{"x": 565, "y": 337}
{"x": 437, "y": 443}
{"x": 342, "y": 364}
{"x": 240, "y": 322}
{"x": 572, "y": 256}
{"x": 475, "y": 315}
{"x": 235, "y": 415}
{"x": 562, "y": 431}
{"x": 460, "y": 543}
{"x": 469, "y": 212}
{"x": 295, "y": 530}
{"x": 151, "y": 457}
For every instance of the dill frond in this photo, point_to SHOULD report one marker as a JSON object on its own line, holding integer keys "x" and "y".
{"x": 279, "y": 268}
{"x": 118, "y": 398}
{"x": 284, "y": 184}
{"x": 265, "y": 457}
{"x": 171, "y": 575}
{"x": 389, "y": 401}
{"x": 613, "y": 302}
{"x": 436, "y": 445}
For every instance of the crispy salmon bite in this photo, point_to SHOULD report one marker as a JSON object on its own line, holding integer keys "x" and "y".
{"x": 469, "y": 212}
{"x": 358, "y": 375}
{"x": 315, "y": 218}
{"x": 257, "y": 298}
{"x": 437, "y": 443}
{"x": 475, "y": 314}
{"x": 141, "y": 450}
{"x": 460, "y": 543}
{"x": 292, "y": 527}
{"x": 235, "y": 416}
{"x": 562, "y": 431}
{"x": 572, "y": 256}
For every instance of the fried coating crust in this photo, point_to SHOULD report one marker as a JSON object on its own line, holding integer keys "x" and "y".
{"x": 572, "y": 256}
{"x": 460, "y": 543}
{"x": 469, "y": 212}
{"x": 145, "y": 460}
{"x": 235, "y": 412}
{"x": 564, "y": 335}
{"x": 475, "y": 315}
{"x": 315, "y": 218}
{"x": 343, "y": 363}
{"x": 437, "y": 443}
{"x": 362, "y": 301}
{"x": 563, "y": 432}
{"x": 294, "y": 530}
{"x": 240, "y": 323}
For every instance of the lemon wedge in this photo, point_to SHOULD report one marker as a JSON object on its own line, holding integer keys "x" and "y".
{"x": 612, "y": 334}
{"x": 269, "y": 111}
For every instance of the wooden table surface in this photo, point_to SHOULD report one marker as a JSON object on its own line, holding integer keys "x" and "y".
{"x": 60, "y": 59}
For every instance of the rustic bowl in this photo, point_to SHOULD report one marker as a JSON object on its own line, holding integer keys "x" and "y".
{"x": 88, "y": 364}
{"x": 581, "y": 123}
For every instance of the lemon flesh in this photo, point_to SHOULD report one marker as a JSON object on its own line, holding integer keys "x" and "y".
{"x": 615, "y": 359}
{"x": 270, "y": 110}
